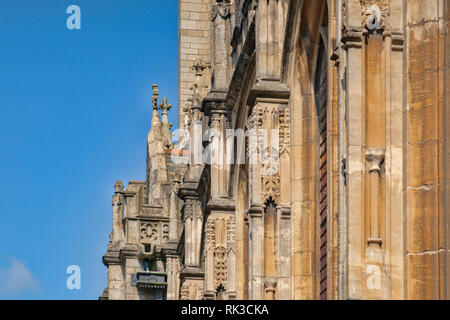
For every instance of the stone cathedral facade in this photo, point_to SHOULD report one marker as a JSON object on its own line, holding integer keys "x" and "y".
{"x": 312, "y": 159}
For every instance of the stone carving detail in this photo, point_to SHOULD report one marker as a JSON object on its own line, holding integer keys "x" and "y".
{"x": 270, "y": 289}
{"x": 149, "y": 232}
{"x": 191, "y": 291}
{"x": 188, "y": 209}
{"x": 117, "y": 200}
{"x": 198, "y": 214}
{"x": 218, "y": 110}
{"x": 185, "y": 291}
{"x": 210, "y": 235}
{"x": 220, "y": 266}
{"x": 254, "y": 121}
{"x": 218, "y": 249}
{"x": 199, "y": 88}
{"x": 374, "y": 17}
{"x": 253, "y": 124}
{"x": 271, "y": 188}
{"x": 231, "y": 233}
{"x": 169, "y": 265}
{"x": 222, "y": 7}
{"x": 199, "y": 66}
{"x": 165, "y": 230}
{"x": 200, "y": 291}
{"x": 284, "y": 130}
{"x": 270, "y": 160}
{"x": 375, "y": 159}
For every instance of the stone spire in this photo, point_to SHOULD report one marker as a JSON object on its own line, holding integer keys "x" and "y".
{"x": 165, "y": 129}
{"x": 157, "y": 140}
{"x": 155, "y": 116}
{"x": 165, "y": 107}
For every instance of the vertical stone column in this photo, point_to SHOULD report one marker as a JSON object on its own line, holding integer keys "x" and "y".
{"x": 193, "y": 224}
{"x": 372, "y": 185}
{"x": 221, "y": 44}
{"x": 256, "y": 253}
{"x": 172, "y": 277}
{"x": 254, "y": 123}
{"x": 242, "y": 202}
{"x": 188, "y": 230}
{"x": 270, "y": 28}
{"x": 209, "y": 259}
{"x": 426, "y": 134}
{"x": 219, "y": 149}
{"x": 284, "y": 253}
{"x": 355, "y": 158}
{"x": 173, "y": 214}
{"x": 197, "y": 228}
{"x": 231, "y": 257}
{"x": 118, "y": 203}
{"x": 445, "y": 47}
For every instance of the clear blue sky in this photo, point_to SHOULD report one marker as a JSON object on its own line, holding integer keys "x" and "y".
{"x": 75, "y": 112}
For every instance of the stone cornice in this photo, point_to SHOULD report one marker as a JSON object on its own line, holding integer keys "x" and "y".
{"x": 129, "y": 251}
{"x": 111, "y": 257}
{"x": 146, "y": 218}
{"x": 255, "y": 211}
{"x": 191, "y": 272}
{"x": 188, "y": 190}
{"x": 398, "y": 40}
{"x": 352, "y": 37}
{"x": 285, "y": 212}
{"x": 170, "y": 248}
{"x": 269, "y": 89}
{"x": 221, "y": 204}
{"x": 215, "y": 102}
{"x": 117, "y": 255}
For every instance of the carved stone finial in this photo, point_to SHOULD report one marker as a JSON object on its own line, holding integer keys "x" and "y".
{"x": 155, "y": 97}
{"x": 164, "y": 106}
{"x": 118, "y": 187}
{"x": 199, "y": 66}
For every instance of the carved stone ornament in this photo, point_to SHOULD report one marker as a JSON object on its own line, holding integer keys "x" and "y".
{"x": 210, "y": 234}
{"x": 375, "y": 158}
{"x": 271, "y": 188}
{"x": 149, "y": 232}
{"x": 188, "y": 210}
{"x": 185, "y": 291}
{"x": 375, "y": 18}
{"x": 231, "y": 226}
{"x": 270, "y": 159}
{"x": 165, "y": 232}
{"x": 199, "y": 66}
{"x": 220, "y": 266}
{"x": 169, "y": 265}
{"x": 284, "y": 131}
{"x": 117, "y": 200}
{"x": 196, "y": 102}
{"x": 222, "y": 7}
